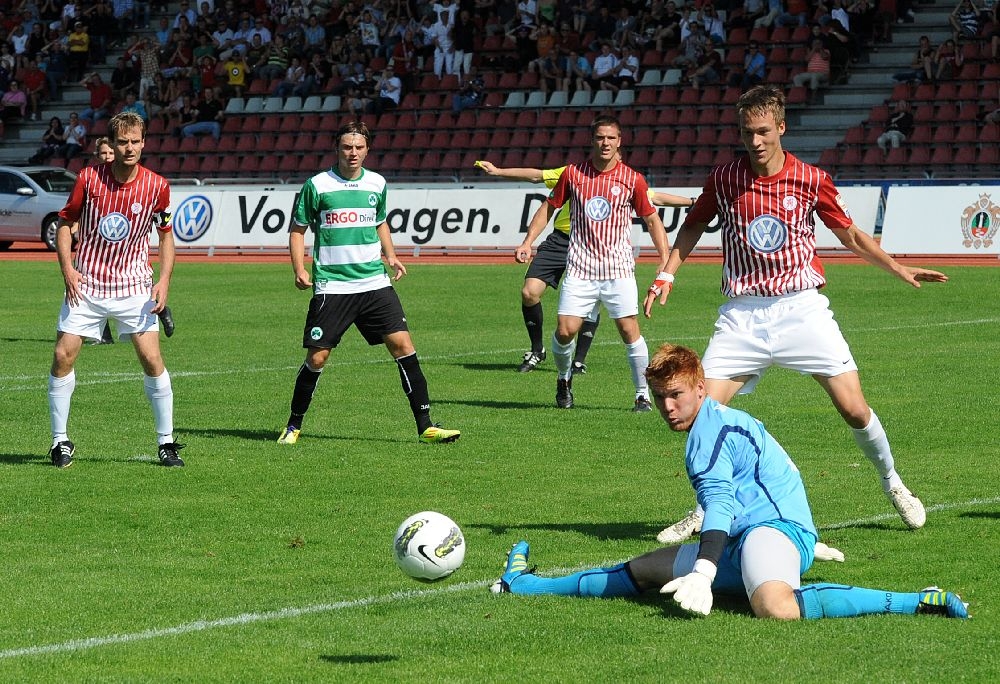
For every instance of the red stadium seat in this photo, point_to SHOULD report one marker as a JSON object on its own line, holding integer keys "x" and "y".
{"x": 780, "y": 34}
{"x": 703, "y": 157}
{"x": 664, "y": 137}
{"x": 171, "y": 166}
{"x": 687, "y": 137}
{"x": 855, "y": 135}
{"x": 667, "y": 117}
{"x": 829, "y": 158}
{"x": 269, "y": 166}
{"x": 965, "y": 157}
{"x": 533, "y": 159}
{"x": 920, "y": 156}
{"x": 526, "y": 118}
{"x": 641, "y": 136}
{"x": 209, "y": 166}
{"x": 897, "y": 156}
{"x": 989, "y": 155}
{"x": 872, "y": 157}
{"x": 188, "y": 146}
{"x": 637, "y": 158}
{"x": 941, "y": 155}
{"x": 231, "y": 166}
{"x": 688, "y": 117}
{"x": 966, "y": 134}
{"x": 451, "y": 162}
{"x": 850, "y": 157}
{"x": 466, "y": 120}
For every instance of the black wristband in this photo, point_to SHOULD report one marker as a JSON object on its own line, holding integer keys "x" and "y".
{"x": 713, "y": 543}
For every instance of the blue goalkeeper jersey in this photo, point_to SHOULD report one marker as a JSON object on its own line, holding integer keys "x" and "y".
{"x": 741, "y": 475}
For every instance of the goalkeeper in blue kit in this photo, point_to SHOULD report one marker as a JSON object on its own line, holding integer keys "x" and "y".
{"x": 758, "y": 536}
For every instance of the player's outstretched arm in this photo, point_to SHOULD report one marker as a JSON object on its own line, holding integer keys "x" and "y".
{"x": 865, "y": 246}
{"x": 296, "y": 250}
{"x": 491, "y": 169}
{"x": 538, "y": 222}
{"x": 687, "y": 237}
{"x": 661, "y": 284}
{"x": 666, "y": 199}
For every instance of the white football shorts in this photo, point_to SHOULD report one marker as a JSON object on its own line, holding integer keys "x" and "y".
{"x": 795, "y": 331}
{"x": 132, "y": 314}
{"x": 583, "y": 298}
{"x": 767, "y": 555}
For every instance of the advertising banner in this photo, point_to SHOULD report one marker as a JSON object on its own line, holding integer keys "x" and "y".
{"x": 955, "y": 220}
{"x": 258, "y": 217}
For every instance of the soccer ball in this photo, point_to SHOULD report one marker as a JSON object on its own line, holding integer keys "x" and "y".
{"x": 428, "y": 546}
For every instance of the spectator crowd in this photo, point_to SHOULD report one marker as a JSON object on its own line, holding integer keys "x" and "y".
{"x": 182, "y": 61}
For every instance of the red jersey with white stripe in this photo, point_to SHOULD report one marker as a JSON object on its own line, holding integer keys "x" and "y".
{"x": 115, "y": 223}
{"x": 768, "y": 227}
{"x": 601, "y": 208}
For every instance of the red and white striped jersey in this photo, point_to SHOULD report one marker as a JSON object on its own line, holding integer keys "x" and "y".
{"x": 115, "y": 223}
{"x": 601, "y": 208}
{"x": 768, "y": 227}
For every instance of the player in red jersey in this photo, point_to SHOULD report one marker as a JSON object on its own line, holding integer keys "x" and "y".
{"x": 116, "y": 205}
{"x": 776, "y": 315}
{"x": 600, "y": 264}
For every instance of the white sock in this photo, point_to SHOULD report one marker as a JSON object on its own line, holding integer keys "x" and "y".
{"x": 161, "y": 398}
{"x": 563, "y": 356}
{"x": 60, "y": 395}
{"x": 638, "y": 359}
{"x": 875, "y": 446}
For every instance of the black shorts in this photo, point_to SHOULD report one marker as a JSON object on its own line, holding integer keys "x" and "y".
{"x": 549, "y": 263}
{"x": 376, "y": 313}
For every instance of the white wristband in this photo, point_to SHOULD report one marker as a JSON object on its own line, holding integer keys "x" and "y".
{"x": 705, "y": 567}
{"x": 665, "y": 277}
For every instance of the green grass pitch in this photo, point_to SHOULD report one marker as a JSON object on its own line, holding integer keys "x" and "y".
{"x": 262, "y": 563}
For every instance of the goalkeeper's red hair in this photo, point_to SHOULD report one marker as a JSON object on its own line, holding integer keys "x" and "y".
{"x": 674, "y": 363}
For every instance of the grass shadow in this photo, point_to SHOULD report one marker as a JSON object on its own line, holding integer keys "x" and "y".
{"x": 603, "y": 531}
{"x": 272, "y": 435}
{"x": 25, "y": 459}
{"x": 359, "y": 658}
{"x": 491, "y": 367}
{"x": 993, "y": 515}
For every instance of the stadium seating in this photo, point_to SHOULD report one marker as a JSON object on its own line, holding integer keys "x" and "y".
{"x": 674, "y": 131}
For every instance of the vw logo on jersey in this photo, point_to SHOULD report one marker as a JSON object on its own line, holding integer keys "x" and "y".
{"x": 598, "y": 208}
{"x": 192, "y": 218}
{"x": 767, "y": 233}
{"x": 372, "y": 199}
{"x": 114, "y": 227}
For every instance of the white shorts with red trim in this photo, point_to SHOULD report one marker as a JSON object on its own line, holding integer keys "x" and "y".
{"x": 583, "y": 298}
{"x": 795, "y": 331}
{"x": 132, "y": 314}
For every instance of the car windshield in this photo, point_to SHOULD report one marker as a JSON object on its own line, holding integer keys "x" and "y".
{"x": 54, "y": 180}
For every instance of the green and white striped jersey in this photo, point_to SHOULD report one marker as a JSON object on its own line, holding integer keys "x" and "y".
{"x": 347, "y": 254}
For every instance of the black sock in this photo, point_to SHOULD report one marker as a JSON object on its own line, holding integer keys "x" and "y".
{"x": 533, "y": 322}
{"x": 415, "y": 387}
{"x": 585, "y": 339}
{"x": 305, "y": 385}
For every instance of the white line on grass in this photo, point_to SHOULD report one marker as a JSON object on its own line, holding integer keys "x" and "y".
{"x": 111, "y": 378}
{"x": 287, "y": 613}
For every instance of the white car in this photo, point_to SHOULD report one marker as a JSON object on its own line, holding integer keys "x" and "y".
{"x": 30, "y": 200}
